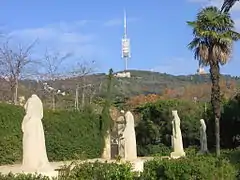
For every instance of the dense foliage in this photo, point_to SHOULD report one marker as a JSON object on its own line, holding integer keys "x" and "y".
{"x": 154, "y": 129}
{"x": 100, "y": 171}
{"x": 199, "y": 167}
{"x": 69, "y": 135}
{"x": 155, "y": 126}
{"x": 230, "y": 123}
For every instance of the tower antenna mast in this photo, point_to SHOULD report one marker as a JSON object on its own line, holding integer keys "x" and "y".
{"x": 125, "y": 25}
{"x": 125, "y": 43}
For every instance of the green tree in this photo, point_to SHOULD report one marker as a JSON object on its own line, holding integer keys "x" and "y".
{"x": 105, "y": 119}
{"x": 214, "y": 35}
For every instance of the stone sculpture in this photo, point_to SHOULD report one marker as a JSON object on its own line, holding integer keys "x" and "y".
{"x": 107, "y": 148}
{"x": 177, "y": 137}
{"x": 203, "y": 137}
{"x": 21, "y": 100}
{"x": 121, "y": 125}
{"x": 172, "y": 136}
{"x": 34, "y": 150}
{"x": 130, "y": 152}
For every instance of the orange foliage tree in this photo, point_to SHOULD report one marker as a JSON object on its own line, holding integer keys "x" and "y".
{"x": 200, "y": 91}
{"x": 142, "y": 99}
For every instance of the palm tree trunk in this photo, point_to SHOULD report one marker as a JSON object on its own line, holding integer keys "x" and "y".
{"x": 216, "y": 100}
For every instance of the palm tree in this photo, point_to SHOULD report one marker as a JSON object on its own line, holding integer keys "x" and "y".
{"x": 227, "y": 5}
{"x": 214, "y": 35}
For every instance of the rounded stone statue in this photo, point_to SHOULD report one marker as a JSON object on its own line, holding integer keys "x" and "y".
{"x": 34, "y": 151}
{"x": 203, "y": 137}
{"x": 130, "y": 138}
{"x": 177, "y": 137}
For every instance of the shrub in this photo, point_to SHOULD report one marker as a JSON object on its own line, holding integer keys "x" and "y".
{"x": 85, "y": 171}
{"x": 199, "y": 167}
{"x": 100, "y": 171}
{"x": 234, "y": 157}
{"x": 69, "y": 135}
{"x": 23, "y": 177}
{"x": 153, "y": 150}
{"x": 10, "y": 133}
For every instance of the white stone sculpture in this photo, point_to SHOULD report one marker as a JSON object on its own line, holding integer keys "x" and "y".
{"x": 172, "y": 136}
{"x": 203, "y": 137}
{"x": 121, "y": 125}
{"x": 107, "y": 148}
{"x": 34, "y": 151}
{"x": 177, "y": 137}
{"x": 130, "y": 138}
{"x": 21, "y": 100}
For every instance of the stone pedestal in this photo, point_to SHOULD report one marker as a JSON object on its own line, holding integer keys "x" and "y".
{"x": 176, "y": 155}
{"x": 137, "y": 165}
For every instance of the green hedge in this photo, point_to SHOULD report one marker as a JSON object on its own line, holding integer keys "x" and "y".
{"x": 198, "y": 167}
{"x": 100, "y": 171}
{"x": 154, "y": 150}
{"x": 193, "y": 168}
{"x": 85, "y": 171}
{"x": 69, "y": 135}
{"x": 24, "y": 177}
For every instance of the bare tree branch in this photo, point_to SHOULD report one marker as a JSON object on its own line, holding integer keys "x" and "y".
{"x": 51, "y": 71}
{"x": 12, "y": 64}
{"x": 81, "y": 71}
{"x": 51, "y": 65}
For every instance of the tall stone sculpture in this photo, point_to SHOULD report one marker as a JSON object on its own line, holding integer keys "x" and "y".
{"x": 107, "y": 148}
{"x": 203, "y": 137}
{"x": 130, "y": 138}
{"x": 177, "y": 137}
{"x": 121, "y": 125}
{"x": 34, "y": 151}
{"x": 173, "y": 135}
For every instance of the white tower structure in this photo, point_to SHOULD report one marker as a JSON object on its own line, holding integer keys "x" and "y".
{"x": 201, "y": 70}
{"x": 125, "y": 43}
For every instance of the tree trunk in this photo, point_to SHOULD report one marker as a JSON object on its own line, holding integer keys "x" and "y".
{"x": 76, "y": 98}
{"x": 216, "y": 100}
{"x": 53, "y": 102}
{"x": 83, "y": 92}
{"x": 16, "y": 92}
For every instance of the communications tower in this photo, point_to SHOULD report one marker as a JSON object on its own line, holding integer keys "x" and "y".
{"x": 200, "y": 70}
{"x": 125, "y": 43}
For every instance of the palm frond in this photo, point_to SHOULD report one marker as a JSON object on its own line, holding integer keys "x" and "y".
{"x": 213, "y": 33}
{"x": 194, "y": 43}
{"x": 227, "y": 5}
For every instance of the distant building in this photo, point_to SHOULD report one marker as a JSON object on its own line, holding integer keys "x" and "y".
{"x": 123, "y": 75}
{"x": 201, "y": 71}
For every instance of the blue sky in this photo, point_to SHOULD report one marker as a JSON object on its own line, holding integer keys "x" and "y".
{"x": 92, "y": 30}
